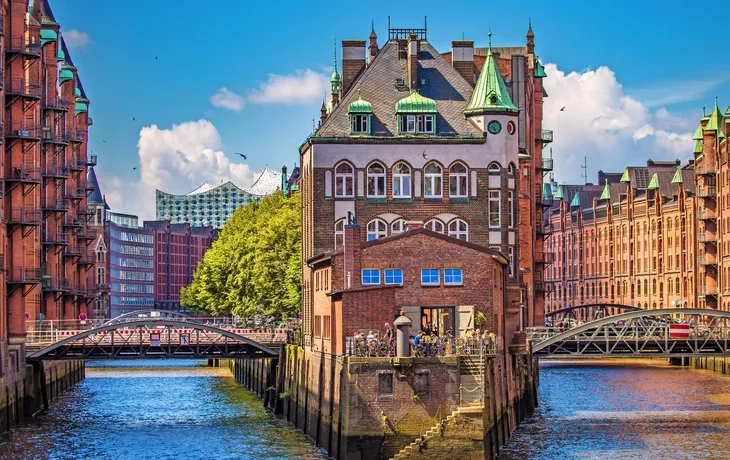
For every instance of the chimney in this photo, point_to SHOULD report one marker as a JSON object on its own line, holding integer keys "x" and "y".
{"x": 413, "y": 50}
{"x": 352, "y": 255}
{"x": 462, "y": 58}
{"x": 353, "y": 62}
{"x": 373, "y": 43}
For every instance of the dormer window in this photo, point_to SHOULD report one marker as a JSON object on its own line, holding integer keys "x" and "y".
{"x": 361, "y": 113}
{"x": 420, "y": 124}
{"x": 360, "y": 124}
{"x": 416, "y": 115}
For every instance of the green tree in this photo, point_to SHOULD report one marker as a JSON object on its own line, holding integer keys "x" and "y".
{"x": 254, "y": 267}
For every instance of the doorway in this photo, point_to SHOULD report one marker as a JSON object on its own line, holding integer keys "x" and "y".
{"x": 439, "y": 320}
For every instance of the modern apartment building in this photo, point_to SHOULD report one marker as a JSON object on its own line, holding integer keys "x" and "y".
{"x": 98, "y": 275}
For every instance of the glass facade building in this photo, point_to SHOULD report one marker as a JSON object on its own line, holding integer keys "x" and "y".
{"x": 131, "y": 265}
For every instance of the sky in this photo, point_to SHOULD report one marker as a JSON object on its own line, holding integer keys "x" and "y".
{"x": 179, "y": 88}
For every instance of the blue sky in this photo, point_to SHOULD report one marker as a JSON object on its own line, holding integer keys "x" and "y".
{"x": 159, "y": 62}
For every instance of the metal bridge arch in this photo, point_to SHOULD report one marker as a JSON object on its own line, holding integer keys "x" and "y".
{"x": 151, "y": 325}
{"x": 163, "y": 314}
{"x": 597, "y": 308}
{"x": 538, "y": 343}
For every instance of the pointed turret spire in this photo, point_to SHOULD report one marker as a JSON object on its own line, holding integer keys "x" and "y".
{"x": 677, "y": 179}
{"x": 606, "y": 194}
{"x": 530, "y": 44}
{"x": 714, "y": 123}
{"x": 530, "y": 33}
{"x": 490, "y": 93}
{"x": 335, "y": 81}
{"x": 373, "y": 48}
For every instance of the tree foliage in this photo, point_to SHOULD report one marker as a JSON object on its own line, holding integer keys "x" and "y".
{"x": 254, "y": 267}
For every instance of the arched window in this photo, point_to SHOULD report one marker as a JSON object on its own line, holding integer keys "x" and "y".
{"x": 344, "y": 180}
{"x": 376, "y": 180}
{"x": 458, "y": 180}
{"x": 401, "y": 180}
{"x": 459, "y": 229}
{"x": 669, "y": 286}
{"x": 511, "y": 169}
{"x": 377, "y": 228}
{"x": 433, "y": 177}
{"x": 676, "y": 284}
{"x": 618, "y": 288}
{"x": 434, "y": 225}
{"x": 339, "y": 233}
{"x": 646, "y": 287}
{"x": 653, "y": 287}
{"x": 398, "y": 226}
{"x": 494, "y": 168}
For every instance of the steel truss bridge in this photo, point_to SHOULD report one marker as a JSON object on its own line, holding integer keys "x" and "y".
{"x": 139, "y": 335}
{"x": 638, "y": 334}
{"x": 588, "y": 312}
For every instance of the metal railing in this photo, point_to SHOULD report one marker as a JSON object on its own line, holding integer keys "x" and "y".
{"x": 707, "y": 260}
{"x": 55, "y": 102}
{"x": 77, "y": 163}
{"x": 22, "y": 130}
{"x": 56, "y": 238}
{"x": 24, "y": 275}
{"x": 91, "y": 160}
{"x": 25, "y": 216}
{"x": 547, "y": 164}
{"x": 20, "y": 44}
{"x": 51, "y": 170}
{"x": 707, "y": 290}
{"x": 546, "y": 136}
{"x": 54, "y": 284}
{"x": 55, "y": 136}
{"x": 55, "y": 204}
{"x": 706, "y": 237}
{"x": 705, "y": 170}
{"x": 78, "y": 135}
{"x": 706, "y": 214}
{"x": 21, "y": 86}
{"x": 706, "y": 192}
{"x": 437, "y": 347}
{"x": 74, "y": 250}
{"x": 22, "y": 173}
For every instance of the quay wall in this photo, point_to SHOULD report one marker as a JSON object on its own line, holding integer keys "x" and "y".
{"x": 719, "y": 364}
{"x": 381, "y": 408}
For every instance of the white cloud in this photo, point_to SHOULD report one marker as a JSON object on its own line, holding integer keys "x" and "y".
{"x": 76, "y": 39}
{"x": 608, "y": 127}
{"x": 175, "y": 160}
{"x": 227, "y": 99}
{"x": 304, "y": 87}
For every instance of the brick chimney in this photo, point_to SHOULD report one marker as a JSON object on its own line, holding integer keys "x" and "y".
{"x": 352, "y": 264}
{"x": 413, "y": 51}
{"x": 353, "y": 61}
{"x": 462, "y": 58}
{"x": 373, "y": 43}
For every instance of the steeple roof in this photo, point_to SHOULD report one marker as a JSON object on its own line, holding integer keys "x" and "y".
{"x": 96, "y": 196}
{"x": 547, "y": 191}
{"x": 606, "y": 193}
{"x": 335, "y": 75}
{"x": 715, "y": 122}
{"x": 698, "y": 147}
{"x": 677, "y": 179}
{"x": 698, "y": 133}
{"x": 490, "y": 93}
{"x": 559, "y": 193}
{"x": 654, "y": 183}
{"x": 47, "y": 17}
{"x": 576, "y": 200}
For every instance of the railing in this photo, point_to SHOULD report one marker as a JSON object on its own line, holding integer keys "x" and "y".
{"x": 548, "y": 257}
{"x": 78, "y": 193}
{"x": 74, "y": 250}
{"x": 706, "y": 260}
{"x": 21, "y": 173}
{"x": 56, "y": 238}
{"x": 22, "y": 45}
{"x": 78, "y": 135}
{"x": 25, "y": 216}
{"x": 55, "y": 102}
{"x": 547, "y": 164}
{"x": 546, "y": 136}
{"x": 707, "y": 290}
{"x": 2, "y": 25}
{"x": 51, "y": 170}
{"x": 22, "y": 130}
{"x": 706, "y": 214}
{"x": 75, "y": 222}
{"x": 102, "y": 286}
{"x": 20, "y": 86}
{"x": 24, "y": 275}
{"x": 706, "y": 192}
{"x": 55, "y": 136}
{"x": 77, "y": 163}
{"x": 55, "y": 284}
{"x": 706, "y": 237}
{"x": 439, "y": 346}
{"x": 91, "y": 160}
{"x": 87, "y": 260}
{"x": 55, "y": 204}
{"x": 705, "y": 170}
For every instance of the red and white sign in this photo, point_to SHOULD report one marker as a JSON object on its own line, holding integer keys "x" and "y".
{"x": 679, "y": 331}
{"x": 185, "y": 340}
{"x": 155, "y": 339}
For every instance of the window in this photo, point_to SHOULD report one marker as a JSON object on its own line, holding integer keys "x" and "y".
{"x": 377, "y": 229}
{"x": 370, "y": 276}
{"x": 421, "y": 383}
{"x": 376, "y": 180}
{"x": 339, "y": 233}
{"x": 100, "y": 256}
{"x": 677, "y": 286}
{"x": 430, "y": 277}
{"x": 401, "y": 181}
{"x": 394, "y": 276}
{"x": 458, "y": 180}
{"x": 398, "y": 226}
{"x": 385, "y": 384}
{"x": 453, "y": 276}
{"x": 459, "y": 229}
{"x": 494, "y": 168}
{"x": 653, "y": 287}
{"x": 511, "y": 209}
{"x": 432, "y": 182}
{"x": 423, "y": 124}
{"x": 360, "y": 123}
{"x": 511, "y": 253}
{"x": 495, "y": 218}
{"x": 434, "y": 225}
{"x": 100, "y": 275}
{"x": 344, "y": 180}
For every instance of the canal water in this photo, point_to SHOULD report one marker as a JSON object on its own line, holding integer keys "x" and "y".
{"x": 157, "y": 409}
{"x": 625, "y": 410}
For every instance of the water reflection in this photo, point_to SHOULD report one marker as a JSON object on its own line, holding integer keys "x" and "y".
{"x": 157, "y": 409}
{"x": 625, "y": 410}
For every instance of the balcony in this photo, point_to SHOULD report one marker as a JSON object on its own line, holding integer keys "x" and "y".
{"x": 78, "y": 193}
{"x": 50, "y": 136}
{"x": 56, "y": 172}
{"x": 546, "y": 136}
{"x": 707, "y": 259}
{"x": 91, "y": 160}
{"x": 76, "y": 222}
{"x": 21, "y": 173}
{"x": 74, "y": 250}
{"x": 52, "y": 284}
{"x": 102, "y": 287}
{"x": 25, "y": 216}
{"x": 77, "y": 164}
{"x": 545, "y": 229}
{"x": 21, "y": 45}
{"x": 78, "y": 135}
{"x": 87, "y": 260}
{"x": 20, "y": 130}
{"x": 544, "y": 202}
{"x": 55, "y": 204}
{"x": 55, "y": 102}
{"x": 705, "y": 170}
{"x": 22, "y": 87}
{"x": 706, "y": 290}
{"x": 706, "y": 214}
{"x": 539, "y": 287}
{"x": 2, "y": 25}
{"x": 22, "y": 275}
{"x": 546, "y": 164}
{"x": 706, "y": 237}
{"x": 56, "y": 239}
{"x": 707, "y": 192}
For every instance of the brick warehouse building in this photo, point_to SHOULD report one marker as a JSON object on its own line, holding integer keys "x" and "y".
{"x": 655, "y": 236}
{"x": 365, "y": 284}
{"x": 415, "y": 135}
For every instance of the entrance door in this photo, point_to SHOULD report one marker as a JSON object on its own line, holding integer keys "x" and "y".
{"x": 439, "y": 320}
{"x": 464, "y": 319}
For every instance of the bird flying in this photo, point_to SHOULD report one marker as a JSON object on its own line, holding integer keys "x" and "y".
{"x": 424, "y": 154}
{"x": 563, "y": 109}
{"x": 241, "y": 154}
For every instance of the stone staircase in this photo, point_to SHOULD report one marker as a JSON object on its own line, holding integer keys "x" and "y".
{"x": 471, "y": 370}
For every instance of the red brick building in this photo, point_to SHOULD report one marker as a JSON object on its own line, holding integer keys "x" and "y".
{"x": 441, "y": 283}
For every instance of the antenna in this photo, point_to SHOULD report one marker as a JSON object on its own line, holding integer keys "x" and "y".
{"x": 584, "y": 167}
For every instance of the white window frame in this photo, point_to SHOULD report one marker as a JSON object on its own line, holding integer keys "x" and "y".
{"x": 360, "y": 123}
{"x": 511, "y": 209}
{"x": 403, "y": 190}
{"x": 100, "y": 275}
{"x": 410, "y": 123}
{"x": 378, "y": 181}
{"x": 385, "y": 276}
{"x": 346, "y": 178}
{"x": 455, "y": 230}
{"x": 421, "y": 124}
{"x": 459, "y": 180}
{"x": 511, "y": 254}
{"x": 398, "y": 226}
{"x": 340, "y": 232}
{"x": 433, "y": 225}
{"x": 454, "y": 283}
{"x": 494, "y": 197}
{"x": 431, "y": 283}
{"x": 362, "y": 276}
{"x": 376, "y": 229}
{"x": 433, "y": 180}
{"x": 494, "y": 168}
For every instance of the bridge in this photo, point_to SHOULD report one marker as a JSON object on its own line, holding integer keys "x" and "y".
{"x": 663, "y": 333}
{"x": 145, "y": 335}
{"x": 587, "y": 312}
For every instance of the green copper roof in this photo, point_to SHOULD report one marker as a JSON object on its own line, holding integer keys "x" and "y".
{"x": 698, "y": 147}
{"x": 77, "y": 92}
{"x": 576, "y": 200}
{"x": 626, "y": 177}
{"x": 65, "y": 75}
{"x": 415, "y": 103}
{"x": 61, "y": 55}
{"x": 606, "y": 193}
{"x": 81, "y": 107}
{"x": 677, "y": 179}
{"x": 48, "y": 36}
{"x": 490, "y": 93}
{"x": 727, "y": 112}
{"x": 654, "y": 183}
{"x": 547, "y": 191}
{"x": 559, "y": 193}
{"x": 715, "y": 122}
{"x": 698, "y": 133}
{"x": 539, "y": 69}
{"x": 359, "y": 106}
{"x": 335, "y": 76}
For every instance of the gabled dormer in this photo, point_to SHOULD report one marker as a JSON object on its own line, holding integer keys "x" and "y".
{"x": 416, "y": 114}
{"x": 361, "y": 114}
